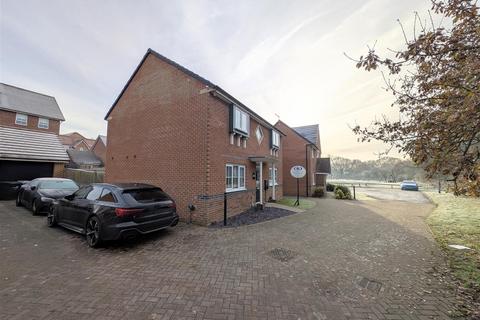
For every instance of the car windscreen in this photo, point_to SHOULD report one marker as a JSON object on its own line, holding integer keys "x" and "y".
{"x": 148, "y": 195}
{"x": 58, "y": 184}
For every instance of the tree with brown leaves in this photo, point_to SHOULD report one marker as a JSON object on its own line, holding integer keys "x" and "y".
{"x": 435, "y": 80}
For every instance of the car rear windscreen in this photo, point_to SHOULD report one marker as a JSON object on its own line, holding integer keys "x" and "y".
{"x": 58, "y": 184}
{"x": 148, "y": 195}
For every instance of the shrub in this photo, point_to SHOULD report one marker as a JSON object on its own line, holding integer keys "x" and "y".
{"x": 318, "y": 192}
{"x": 330, "y": 187}
{"x": 339, "y": 194}
{"x": 342, "y": 192}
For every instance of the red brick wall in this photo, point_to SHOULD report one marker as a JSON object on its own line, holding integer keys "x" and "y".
{"x": 167, "y": 130}
{"x": 222, "y": 153}
{"x": 7, "y": 118}
{"x": 296, "y": 152}
{"x": 158, "y": 131}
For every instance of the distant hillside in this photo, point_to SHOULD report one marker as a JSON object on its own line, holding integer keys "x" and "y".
{"x": 385, "y": 169}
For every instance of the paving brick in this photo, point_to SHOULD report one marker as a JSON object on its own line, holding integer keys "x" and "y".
{"x": 227, "y": 273}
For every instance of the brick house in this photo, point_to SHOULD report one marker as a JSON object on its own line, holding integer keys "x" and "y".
{"x": 301, "y": 146}
{"x": 76, "y": 141}
{"x": 100, "y": 147}
{"x": 29, "y": 127}
{"x": 174, "y": 129}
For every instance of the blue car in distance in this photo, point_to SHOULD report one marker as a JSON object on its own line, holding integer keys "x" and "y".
{"x": 409, "y": 185}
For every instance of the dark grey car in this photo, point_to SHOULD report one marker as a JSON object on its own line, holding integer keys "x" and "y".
{"x": 39, "y": 194}
{"x": 103, "y": 211}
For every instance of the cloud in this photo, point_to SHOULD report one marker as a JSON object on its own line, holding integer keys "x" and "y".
{"x": 276, "y": 56}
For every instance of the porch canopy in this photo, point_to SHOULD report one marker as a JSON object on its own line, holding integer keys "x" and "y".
{"x": 266, "y": 159}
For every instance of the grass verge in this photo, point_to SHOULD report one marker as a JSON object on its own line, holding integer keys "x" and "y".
{"x": 304, "y": 203}
{"x": 456, "y": 220}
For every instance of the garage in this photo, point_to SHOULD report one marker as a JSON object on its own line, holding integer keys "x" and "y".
{"x": 28, "y": 154}
{"x": 23, "y": 170}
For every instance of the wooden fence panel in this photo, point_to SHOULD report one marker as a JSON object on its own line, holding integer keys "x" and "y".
{"x": 83, "y": 177}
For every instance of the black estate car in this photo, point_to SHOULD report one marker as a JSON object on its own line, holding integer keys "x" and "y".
{"x": 40, "y": 193}
{"x": 103, "y": 211}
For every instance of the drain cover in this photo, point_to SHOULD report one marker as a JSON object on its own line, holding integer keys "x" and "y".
{"x": 371, "y": 285}
{"x": 282, "y": 254}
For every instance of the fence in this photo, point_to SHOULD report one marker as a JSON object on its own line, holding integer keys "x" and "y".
{"x": 379, "y": 184}
{"x": 82, "y": 177}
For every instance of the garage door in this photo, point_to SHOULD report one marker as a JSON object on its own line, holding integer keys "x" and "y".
{"x": 23, "y": 170}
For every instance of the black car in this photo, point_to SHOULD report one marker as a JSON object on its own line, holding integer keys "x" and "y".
{"x": 40, "y": 193}
{"x": 103, "y": 211}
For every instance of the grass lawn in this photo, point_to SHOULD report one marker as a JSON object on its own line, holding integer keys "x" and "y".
{"x": 456, "y": 220}
{"x": 304, "y": 204}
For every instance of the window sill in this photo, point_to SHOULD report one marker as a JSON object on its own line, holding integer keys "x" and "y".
{"x": 235, "y": 190}
{"x": 241, "y": 132}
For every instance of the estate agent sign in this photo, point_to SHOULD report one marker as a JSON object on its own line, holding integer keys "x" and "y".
{"x": 298, "y": 172}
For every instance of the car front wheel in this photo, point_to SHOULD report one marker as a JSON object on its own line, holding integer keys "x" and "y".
{"x": 92, "y": 232}
{"x": 51, "y": 218}
{"x": 18, "y": 202}
{"x": 35, "y": 207}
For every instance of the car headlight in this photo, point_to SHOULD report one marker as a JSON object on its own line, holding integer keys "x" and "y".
{"x": 45, "y": 199}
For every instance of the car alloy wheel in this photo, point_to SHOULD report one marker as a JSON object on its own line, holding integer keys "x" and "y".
{"x": 93, "y": 232}
{"x": 51, "y": 220}
{"x": 18, "y": 203}
{"x": 34, "y": 208}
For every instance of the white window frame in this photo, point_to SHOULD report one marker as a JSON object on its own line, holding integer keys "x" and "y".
{"x": 44, "y": 120}
{"x": 234, "y": 177}
{"x": 270, "y": 176}
{"x": 259, "y": 131}
{"x": 20, "y": 116}
{"x": 241, "y": 120}
{"x": 275, "y": 139}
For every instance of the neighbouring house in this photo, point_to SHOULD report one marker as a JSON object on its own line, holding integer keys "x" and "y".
{"x": 323, "y": 169}
{"x": 29, "y": 127}
{"x": 174, "y": 129}
{"x": 83, "y": 159}
{"x": 301, "y": 146}
{"x": 100, "y": 147}
{"x": 76, "y": 141}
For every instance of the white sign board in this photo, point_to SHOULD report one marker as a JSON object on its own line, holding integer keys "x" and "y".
{"x": 298, "y": 172}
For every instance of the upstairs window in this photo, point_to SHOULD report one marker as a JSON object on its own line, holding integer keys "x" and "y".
{"x": 241, "y": 120}
{"x": 275, "y": 139}
{"x": 43, "y": 123}
{"x": 21, "y": 119}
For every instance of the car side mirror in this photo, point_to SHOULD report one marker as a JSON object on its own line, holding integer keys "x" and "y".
{"x": 33, "y": 188}
{"x": 70, "y": 197}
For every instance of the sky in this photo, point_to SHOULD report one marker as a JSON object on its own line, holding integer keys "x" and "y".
{"x": 283, "y": 59}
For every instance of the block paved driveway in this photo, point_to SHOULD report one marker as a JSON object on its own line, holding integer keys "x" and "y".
{"x": 340, "y": 260}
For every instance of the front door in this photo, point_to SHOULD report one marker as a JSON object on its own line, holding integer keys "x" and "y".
{"x": 258, "y": 183}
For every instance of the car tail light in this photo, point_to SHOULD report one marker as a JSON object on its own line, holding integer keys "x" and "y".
{"x": 121, "y": 212}
{"x": 173, "y": 205}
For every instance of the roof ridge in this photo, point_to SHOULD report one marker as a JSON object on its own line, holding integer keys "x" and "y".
{"x": 308, "y": 125}
{"x": 182, "y": 68}
{"x": 43, "y": 94}
{"x": 187, "y": 72}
